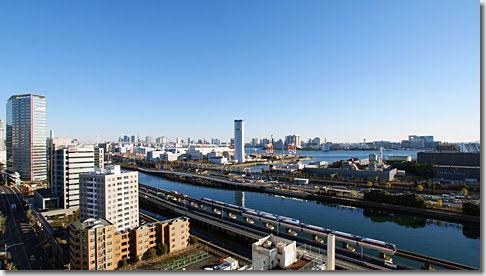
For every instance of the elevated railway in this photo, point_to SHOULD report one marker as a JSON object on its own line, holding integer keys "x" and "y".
{"x": 196, "y": 208}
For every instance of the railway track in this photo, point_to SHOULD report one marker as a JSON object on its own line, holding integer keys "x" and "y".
{"x": 427, "y": 260}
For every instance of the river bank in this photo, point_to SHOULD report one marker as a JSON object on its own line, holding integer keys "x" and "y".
{"x": 250, "y": 164}
{"x": 426, "y": 213}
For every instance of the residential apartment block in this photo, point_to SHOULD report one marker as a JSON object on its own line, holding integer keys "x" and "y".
{"x": 108, "y": 193}
{"x": 94, "y": 245}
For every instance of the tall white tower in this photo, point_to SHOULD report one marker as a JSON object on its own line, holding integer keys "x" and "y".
{"x": 239, "y": 141}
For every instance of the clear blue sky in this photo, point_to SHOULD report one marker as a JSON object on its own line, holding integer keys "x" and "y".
{"x": 345, "y": 70}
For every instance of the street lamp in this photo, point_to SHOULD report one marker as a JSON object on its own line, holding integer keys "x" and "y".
{"x": 8, "y": 246}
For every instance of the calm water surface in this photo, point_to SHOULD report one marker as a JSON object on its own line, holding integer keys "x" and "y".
{"x": 450, "y": 241}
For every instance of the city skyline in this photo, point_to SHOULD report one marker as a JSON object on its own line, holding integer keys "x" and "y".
{"x": 382, "y": 71}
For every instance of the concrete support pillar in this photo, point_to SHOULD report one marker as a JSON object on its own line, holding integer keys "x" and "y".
{"x": 331, "y": 252}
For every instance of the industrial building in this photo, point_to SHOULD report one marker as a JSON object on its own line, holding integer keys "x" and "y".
{"x": 348, "y": 169}
{"x": 418, "y": 142}
{"x": 456, "y": 166}
{"x": 276, "y": 253}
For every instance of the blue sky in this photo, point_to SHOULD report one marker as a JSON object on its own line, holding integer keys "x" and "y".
{"x": 345, "y": 70}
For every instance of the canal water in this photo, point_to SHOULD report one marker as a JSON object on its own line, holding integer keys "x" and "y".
{"x": 445, "y": 240}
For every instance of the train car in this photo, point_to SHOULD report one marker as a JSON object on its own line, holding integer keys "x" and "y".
{"x": 384, "y": 247}
{"x": 315, "y": 230}
{"x": 269, "y": 219}
{"x": 295, "y": 224}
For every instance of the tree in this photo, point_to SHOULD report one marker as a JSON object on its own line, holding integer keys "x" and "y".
{"x": 150, "y": 254}
{"x": 439, "y": 203}
{"x": 470, "y": 208}
{"x": 122, "y": 263}
{"x": 136, "y": 259}
{"x": 464, "y": 191}
{"x": 388, "y": 185}
{"x": 420, "y": 188}
{"x": 193, "y": 240}
{"x": 162, "y": 249}
{"x": 369, "y": 183}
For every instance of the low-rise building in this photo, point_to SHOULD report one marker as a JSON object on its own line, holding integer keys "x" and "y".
{"x": 91, "y": 245}
{"x": 94, "y": 244}
{"x": 273, "y": 251}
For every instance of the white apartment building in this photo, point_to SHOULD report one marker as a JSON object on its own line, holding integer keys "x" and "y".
{"x": 65, "y": 161}
{"x": 110, "y": 194}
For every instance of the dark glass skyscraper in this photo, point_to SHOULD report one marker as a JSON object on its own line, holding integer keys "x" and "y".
{"x": 26, "y": 136}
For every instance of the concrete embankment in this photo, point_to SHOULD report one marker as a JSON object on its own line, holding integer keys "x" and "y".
{"x": 428, "y": 213}
{"x": 286, "y": 160}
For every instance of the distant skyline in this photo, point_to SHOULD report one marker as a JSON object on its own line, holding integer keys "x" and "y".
{"x": 345, "y": 70}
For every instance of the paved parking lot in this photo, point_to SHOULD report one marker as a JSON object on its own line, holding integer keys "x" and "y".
{"x": 208, "y": 262}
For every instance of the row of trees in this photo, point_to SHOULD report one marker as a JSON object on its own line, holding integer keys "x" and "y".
{"x": 470, "y": 208}
{"x": 410, "y": 200}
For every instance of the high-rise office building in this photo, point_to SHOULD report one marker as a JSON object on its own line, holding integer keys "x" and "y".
{"x": 26, "y": 136}
{"x": 239, "y": 141}
{"x": 65, "y": 162}
{"x": 108, "y": 193}
{"x": 289, "y": 140}
{"x": 254, "y": 142}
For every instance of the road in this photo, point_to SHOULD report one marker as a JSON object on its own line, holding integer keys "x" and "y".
{"x": 19, "y": 238}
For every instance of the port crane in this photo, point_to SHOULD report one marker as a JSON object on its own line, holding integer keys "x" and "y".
{"x": 269, "y": 146}
{"x": 292, "y": 148}
{"x": 202, "y": 143}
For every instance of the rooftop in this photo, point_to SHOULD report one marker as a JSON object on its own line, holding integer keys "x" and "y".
{"x": 24, "y": 96}
{"x": 91, "y": 223}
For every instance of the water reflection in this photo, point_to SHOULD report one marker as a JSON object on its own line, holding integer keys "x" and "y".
{"x": 240, "y": 198}
{"x": 471, "y": 232}
{"x": 405, "y": 221}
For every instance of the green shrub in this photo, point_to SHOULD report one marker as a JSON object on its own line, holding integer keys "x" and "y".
{"x": 469, "y": 208}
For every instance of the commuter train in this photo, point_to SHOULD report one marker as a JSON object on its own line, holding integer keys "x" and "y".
{"x": 295, "y": 224}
